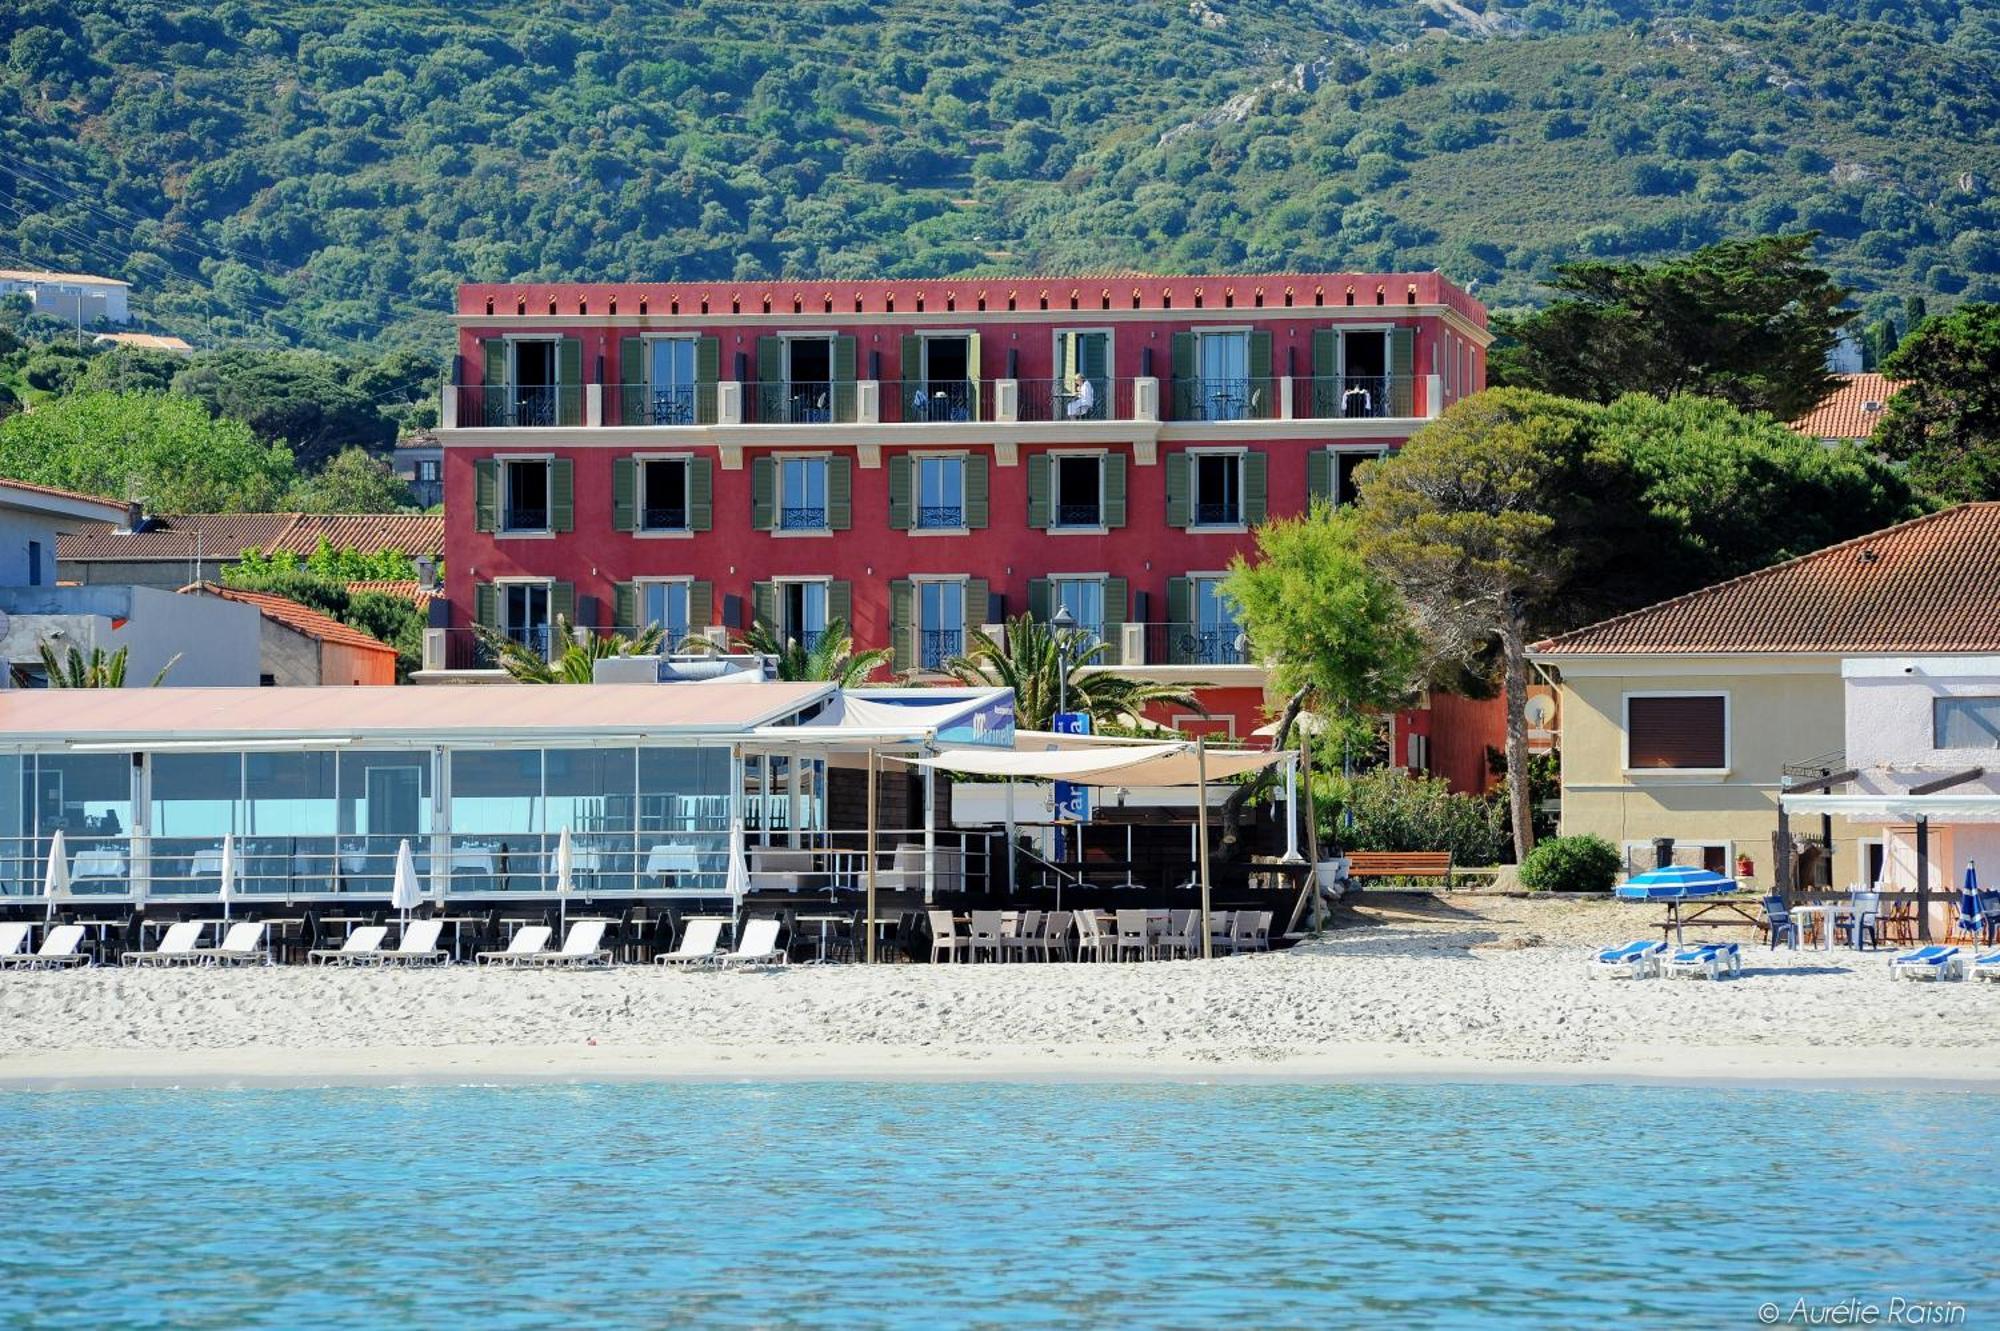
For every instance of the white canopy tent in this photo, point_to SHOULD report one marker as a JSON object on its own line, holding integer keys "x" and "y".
{"x": 1933, "y": 798}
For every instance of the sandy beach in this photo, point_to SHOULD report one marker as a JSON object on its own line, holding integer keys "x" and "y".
{"x": 1407, "y": 988}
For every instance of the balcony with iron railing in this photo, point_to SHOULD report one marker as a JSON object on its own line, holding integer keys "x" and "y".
{"x": 522, "y": 517}
{"x": 940, "y": 517}
{"x": 688, "y": 404}
{"x": 792, "y": 402}
{"x": 1223, "y": 399}
{"x": 802, "y": 517}
{"x": 663, "y": 517}
{"x": 1217, "y": 513}
{"x": 515, "y": 406}
{"x": 929, "y": 401}
{"x": 1107, "y": 399}
{"x": 1078, "y": 515}
{"x": 1195, "y": 644}
{"x": 1353, "y": 397}
{"x": 936, "y": 647}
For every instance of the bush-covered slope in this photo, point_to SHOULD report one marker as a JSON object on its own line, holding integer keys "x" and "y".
{"x": 328, "y": 173}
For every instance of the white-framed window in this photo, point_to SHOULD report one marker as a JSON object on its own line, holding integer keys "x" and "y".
{"x": 1668, "y": 732}
{"x": 802, "y": 610}
{"x": 801, "y": 494}
{"x": 526, "y": 494}
{"x": 1076, "y": 484}
{"x": 429, "y": 469}
{"x": 940, "y": 623}
{"x": 1346, "y": 462}
{"x": 664, "y": 601}
{"x": 525, "y": 612}
{"x": 1215, "y": 488}
{"x": 1214, "y": 630}
{"x": 1965, "y": 723}
{"x": 1083, "y": 597}
{"x": 1081, "y": 388}
{"x": 671, "y": 384}
{"x": 663, "y": 493}
{"x": 533, "y": 381}
{"x": 1222, "y": 360}
{"x": 940, "y": 487}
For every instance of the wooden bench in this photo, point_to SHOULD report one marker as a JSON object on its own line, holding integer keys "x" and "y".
{"x": 1400, "y": 864}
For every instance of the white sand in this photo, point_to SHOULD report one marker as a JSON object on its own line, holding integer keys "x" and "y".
{"x": 1459, "y": 988}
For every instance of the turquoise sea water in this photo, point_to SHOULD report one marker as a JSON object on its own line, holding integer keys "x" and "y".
{"x": 923, "y": 1205}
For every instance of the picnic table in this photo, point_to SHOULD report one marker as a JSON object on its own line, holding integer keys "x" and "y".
{"x": 1717, "y": 915}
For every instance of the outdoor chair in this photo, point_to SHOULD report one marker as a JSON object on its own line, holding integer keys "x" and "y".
{"x": 1263, "y": 934}
{"x": 1778, "y": 921}
{"x": 13, "y": 938}
{"x": 58, "y": 949}
{"x": 1986, "y": 967}
{"x": 1221, "y": 932}
{"x": 418, "y": 946}
{"x": 243, "y": 945}
{"x": 1634, "y": 961}
{"x": 700, "y": 945}
{"x": 1989, "y": 915}
{"x": 532, "y": 939}
{"x": 1090, "y": 937}
{"x": 945, "y": 938}
{"x": 582, "y": 946}
{"x": 758, "y": 946}
{"x": 364, "y": 944}
{"x": 1243, "y": 937}
{"x": 1183, "y": 934}
{"x": 1710, "y": 961}
{"x": 1862, "y": 920}
{"x": 1135, "y": 941}
{"x": 1055, "y": 935}
{"x": 1936, "y": 962}
{"x": 1026, "y": 936}
{"x": 987, "y": 931}
{"x": 177, "y": 947}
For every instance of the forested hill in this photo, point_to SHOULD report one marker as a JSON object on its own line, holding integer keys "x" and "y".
{"x": 319, "y": 172}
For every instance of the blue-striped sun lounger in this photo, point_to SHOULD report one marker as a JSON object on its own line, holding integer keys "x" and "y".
{"x": 1710, "y": 961}
{"x": 1634, "y": 961}
{"x": 1936, "y": 962}
{"x": 1986, "y": 967}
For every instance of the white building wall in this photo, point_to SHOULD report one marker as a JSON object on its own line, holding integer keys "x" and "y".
{"x": 217, "y": 640}
{"x": 21, "y": 535}
{"x": 1889, "y": 712}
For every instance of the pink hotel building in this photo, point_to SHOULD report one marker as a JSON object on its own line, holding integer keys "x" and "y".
{"x": 922, "y": 458}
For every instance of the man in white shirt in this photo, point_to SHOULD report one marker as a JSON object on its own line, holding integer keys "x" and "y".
{"x": 1083, "y": 399}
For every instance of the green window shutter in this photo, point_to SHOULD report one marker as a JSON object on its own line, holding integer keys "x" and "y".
{"x": 1319, "y": 475}
{"x": 487, "y": 498}
{"x": 840, "y": 493}
{"x": 902, "y": 626}
{"x": 1114, "y": 489}
{"x": 976, "y": 593}
{"x": 977, "y": 491}
{"x": 1263, "y": 395}
{"x": 569, "y": 375}
{"x": 562, "y": 602}
{"x": 562, "y": 495}
{"x": 840, "y": 603}
{"x": 486, "y": 605}
{"x": 764, "y": 604}
{"x": 493, "y": 352}
{"x": 1094, "y": 356}
{"x": 770, "y": 360}
{"x": 624, "y": 496}
{"x": 1039, "y": 511}
{"x": 1326, "y": 353}
{"x": 1178, "y": 514}
{"x": 899, "y": 492}
{"x": 912, "y": 368}
{"x": 843, "y": 377}
{"x": 1185, "y": 390}
{"x": 701, "y": 606}
{"x": 632, "y": 360}
{"x": 1402, "y": 368}
{"x": 701, "y": 494}
{"x": 1041, "y": 599}
{"x": 1183, "y": 355}
{"x": 1114, "y": 620}
{"x": 625, "y": 607}
{"x": 707, "y": 369}
{"x": 972, "y": 372}
{"x": 1180, "y": 600}
{"x": 763, "y": 501}
{"x": 1256, "y": 487}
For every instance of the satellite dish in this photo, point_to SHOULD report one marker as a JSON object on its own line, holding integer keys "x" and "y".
{"x": 1540, "y": 710}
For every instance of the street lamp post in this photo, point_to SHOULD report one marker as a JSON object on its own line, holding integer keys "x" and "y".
{"x": 1064, "y": 623}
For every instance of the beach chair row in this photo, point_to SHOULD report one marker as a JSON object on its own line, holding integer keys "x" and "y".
{"x": 243, "y": 944}
{"x": 1644, "y": 958}
{"x": 1939, "y": 961}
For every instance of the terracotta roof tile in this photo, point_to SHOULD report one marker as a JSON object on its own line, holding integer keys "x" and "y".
{"x": 182, "y": 535}
{"x": 408, "y": 590}
{"x": 1928, "y": 585}
{"x": 1851, "y": 411}
{"x": 299, "y": 618}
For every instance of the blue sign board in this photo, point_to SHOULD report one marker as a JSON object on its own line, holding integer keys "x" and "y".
{"x": 1072, "y": 802}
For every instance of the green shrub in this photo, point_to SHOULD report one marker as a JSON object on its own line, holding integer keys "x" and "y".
{"x": 1571, "y": 864}
{"x": 1391, "y": 810}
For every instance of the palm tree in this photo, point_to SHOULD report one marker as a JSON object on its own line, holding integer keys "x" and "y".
{"x": 577, "y": 661}
{"x": 99, "y": 670}
{"x": 1031, "y": 662}
{"x": 831, "y": 657}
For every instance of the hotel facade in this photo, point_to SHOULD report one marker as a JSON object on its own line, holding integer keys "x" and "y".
{"x": 920, "y": 458}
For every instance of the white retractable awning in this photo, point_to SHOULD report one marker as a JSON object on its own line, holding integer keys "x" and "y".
{"x": 1892, "y": 807}
{"x": 1122, "y": 765}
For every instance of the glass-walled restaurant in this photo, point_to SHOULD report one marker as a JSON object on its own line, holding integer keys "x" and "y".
{"x": 481, "y": 782}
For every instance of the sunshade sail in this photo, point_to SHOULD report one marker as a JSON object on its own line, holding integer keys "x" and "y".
{"x": 1121, "y": 765}
{"x": 1901, "y": 808}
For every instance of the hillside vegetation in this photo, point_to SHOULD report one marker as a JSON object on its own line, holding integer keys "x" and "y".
{"x": 328, "y": 173}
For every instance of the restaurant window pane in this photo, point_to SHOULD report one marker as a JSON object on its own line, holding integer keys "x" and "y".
{"x": 83, "y": 794}
{"x": 1965, "y": 723}
{"x": 290, "y": 794}
{"x": 385, "y": 794}
{"x": 590, "y": 790}
{"x": 683, "y": 789}
{"x": 196, "y": 795}
{"x": 1677, "y": 732}
{"x": 496, "y": 791}
{"x": 17, "y": 850}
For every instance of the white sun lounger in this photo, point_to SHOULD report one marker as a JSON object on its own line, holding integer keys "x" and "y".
{"x": 521, "y": 948}
{"x": 58, "y": 950}
{"x": 243, "y": 945}
{"x": 582, "y": 946}
{"x": 1986, "y": 967}
{"x": 758, "y": 946}
{"x": 177, "y": 948}
{"x": 1634, "y": 961}
{"x": 418, "y": 946}
{"x": 363, "y": 945}
{"x": 697, "y": 946}
{"x": 13, "y": 939}
{"x": 1711, "y": 961}
{"x": 1936, "y": 962}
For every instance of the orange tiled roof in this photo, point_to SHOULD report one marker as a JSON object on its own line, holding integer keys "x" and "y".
{"x": 182, "y": 535}
{"x": 408, "y": 590}
{"x": 299, "y": 618}
{"x": 1852, "y": 410}
{"x": 1928, "y": 585}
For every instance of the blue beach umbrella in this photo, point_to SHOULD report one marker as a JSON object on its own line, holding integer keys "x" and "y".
{"x": 1968, "y": 901}
{"x": 1674, "y": 884}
